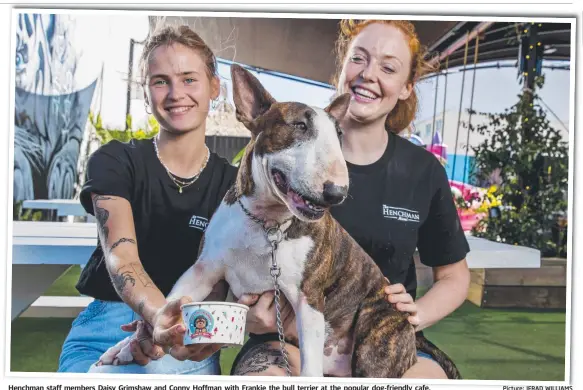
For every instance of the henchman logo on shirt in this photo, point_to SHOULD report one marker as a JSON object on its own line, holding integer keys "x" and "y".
{"x": 199, "y": 223}
{"x": 400, "y": 214}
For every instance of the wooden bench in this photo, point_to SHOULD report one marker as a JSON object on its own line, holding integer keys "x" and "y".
{"x": 538, "y": 288}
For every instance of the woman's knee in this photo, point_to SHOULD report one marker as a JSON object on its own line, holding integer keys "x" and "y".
{"x": 77, "y": 360}
{"x": 425, "y": 369}
{"x": 265, "y": 359}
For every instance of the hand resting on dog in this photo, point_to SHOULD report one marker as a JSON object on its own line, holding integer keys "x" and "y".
{"x": 403, "y": 301}
{"x": 261, "y": 317}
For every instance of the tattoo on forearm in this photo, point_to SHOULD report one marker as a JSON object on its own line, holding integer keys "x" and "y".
{"x": 121, "y": 241}
{"x": 127, "y": 275}
{"x": 121, "y": 278}
{"x": 102, "y": 215}
{"x": 258, "y": 359}
{"x": 142, "y": 275}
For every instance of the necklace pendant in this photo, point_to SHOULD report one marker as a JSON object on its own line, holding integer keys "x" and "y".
{"x": 179, "y": 190}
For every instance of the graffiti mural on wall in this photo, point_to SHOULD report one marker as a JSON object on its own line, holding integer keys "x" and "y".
{"x": 51, "y": 111}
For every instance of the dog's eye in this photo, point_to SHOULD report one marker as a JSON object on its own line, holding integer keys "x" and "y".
{"x": 300, "y": 125}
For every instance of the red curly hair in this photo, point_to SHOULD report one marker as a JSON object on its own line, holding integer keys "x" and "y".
{"x": 404, "y": 111}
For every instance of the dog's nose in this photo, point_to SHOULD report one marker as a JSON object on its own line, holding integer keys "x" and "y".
{"x": 334, "y": 194}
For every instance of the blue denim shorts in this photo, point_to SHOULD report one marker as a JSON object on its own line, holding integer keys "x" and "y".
{"x": 97, "y": 328}
{"x": 424, "y": 355}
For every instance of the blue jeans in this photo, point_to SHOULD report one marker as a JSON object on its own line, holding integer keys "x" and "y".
{"x": 97, "y": 328}
{"x": 424, "y": 355}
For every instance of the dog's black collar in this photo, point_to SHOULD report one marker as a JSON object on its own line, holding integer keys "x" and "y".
{"x": 266, "y": 225}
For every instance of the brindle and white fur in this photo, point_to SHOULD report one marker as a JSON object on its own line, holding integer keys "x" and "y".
{"x": 345, "y": 325}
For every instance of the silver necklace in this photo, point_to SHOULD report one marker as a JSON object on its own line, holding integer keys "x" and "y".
{"x": 274, "y": 236}
{"x": 189, "y": 180}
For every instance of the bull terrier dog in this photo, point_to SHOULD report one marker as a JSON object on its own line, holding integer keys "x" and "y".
{"x": 276, "y": 214}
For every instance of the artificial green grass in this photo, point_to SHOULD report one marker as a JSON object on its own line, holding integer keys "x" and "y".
{"x": 64, "y": 286}
{"x": 228, "y": 356}
{"x": 503, "y": 344}
{"x": 36, "y": 345}
{"x": 485, "y": 344}
{"x": 36, "y": 342}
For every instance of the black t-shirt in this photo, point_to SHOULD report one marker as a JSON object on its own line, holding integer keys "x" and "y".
{"x": 169, "y": 225}
{"x": 401, "y": 202}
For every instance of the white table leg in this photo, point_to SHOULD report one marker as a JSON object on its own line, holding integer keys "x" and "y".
{"x": 30, "y": 281}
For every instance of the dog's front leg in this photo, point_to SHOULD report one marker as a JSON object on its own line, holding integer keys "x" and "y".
{"x": 311, "y": 328}
{"x": 198, "y": 281}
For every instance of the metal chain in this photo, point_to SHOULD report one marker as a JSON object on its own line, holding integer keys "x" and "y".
{"x": 275, "y": 271}
{"x": 274, "y": 236}
{"x": 251, "y": 216}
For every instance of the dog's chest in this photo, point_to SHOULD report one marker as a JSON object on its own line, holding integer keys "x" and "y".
{"x": 241, "y": 245}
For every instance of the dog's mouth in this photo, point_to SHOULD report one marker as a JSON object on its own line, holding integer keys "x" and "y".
{"x": 305, "y": 205}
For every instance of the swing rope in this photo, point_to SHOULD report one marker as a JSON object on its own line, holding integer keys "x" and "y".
{"x": 471, "y": 107}
{"x": 460, "y": 110}
{"x": 434, "y": 110}
{"x": 444, "y": 100}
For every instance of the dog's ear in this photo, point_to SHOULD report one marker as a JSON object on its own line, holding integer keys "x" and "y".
{"x": 251, "y": 99}
{"x": 339, "y": 106}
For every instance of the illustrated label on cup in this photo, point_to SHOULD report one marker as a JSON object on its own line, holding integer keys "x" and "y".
{"x": 214, "y": 322}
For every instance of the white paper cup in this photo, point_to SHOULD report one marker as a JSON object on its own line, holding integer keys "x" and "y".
{"x": 214, "y": 322}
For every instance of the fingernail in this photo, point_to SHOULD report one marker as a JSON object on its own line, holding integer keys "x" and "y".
{"x": 99, "y": 363}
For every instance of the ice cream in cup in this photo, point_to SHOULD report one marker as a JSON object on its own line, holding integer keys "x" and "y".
{"x": 214, "y": 322}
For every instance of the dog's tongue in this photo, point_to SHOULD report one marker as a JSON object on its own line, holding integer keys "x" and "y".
{"x": 297, "y": 198}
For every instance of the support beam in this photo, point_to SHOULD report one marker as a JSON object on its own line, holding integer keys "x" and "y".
{"x": 461, "y": 42}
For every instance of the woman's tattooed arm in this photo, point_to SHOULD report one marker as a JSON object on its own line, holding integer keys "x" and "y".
{"x": 128, "y": 276}
{"x": 102, "y": 215}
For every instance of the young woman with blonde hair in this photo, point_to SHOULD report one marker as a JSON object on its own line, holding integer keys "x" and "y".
{"x": 152, "y": 199}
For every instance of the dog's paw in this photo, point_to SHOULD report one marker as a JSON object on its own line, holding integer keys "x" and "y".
{"x": 124, "y": 356}
{"x": 119, "y": 354}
